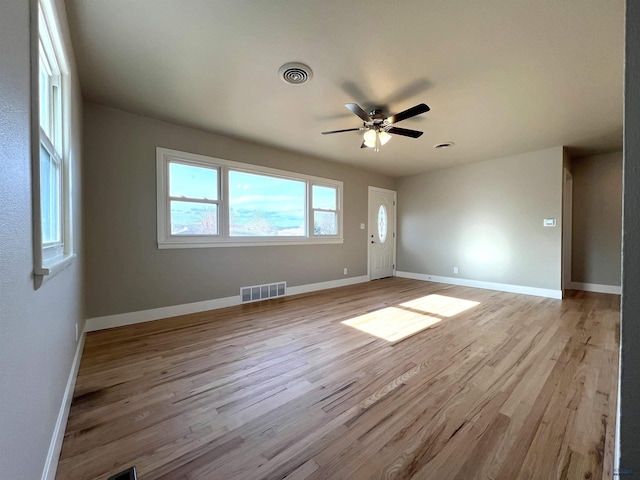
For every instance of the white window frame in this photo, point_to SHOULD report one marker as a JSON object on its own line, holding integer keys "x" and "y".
{"x": 52, "y": 257}
{"x": 312, "y": 210}
{"x": 196, "y": 200}
{"x": 164, "y": 156}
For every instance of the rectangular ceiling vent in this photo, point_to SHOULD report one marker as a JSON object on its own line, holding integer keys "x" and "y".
{"x": 262, "y": 292}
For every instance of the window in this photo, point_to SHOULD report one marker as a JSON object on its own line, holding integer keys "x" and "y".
{"x": 266, "y": 206}
{"x": 325, "y": 210}
{"x": 204, "y": 202}
{"x": 193, "y": 199}
{"x": 52, "y": 246}
{"x": 382, "y": 224}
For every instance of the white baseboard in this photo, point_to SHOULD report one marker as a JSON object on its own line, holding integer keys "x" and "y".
{"x": 51, "y": 464}
{"x": 313, "y": 287}
{"x": 595, "y": 287}
{"x": 141, "y": 316}
{"x": 502, "y": 287}
{"x": 130, "y": 318}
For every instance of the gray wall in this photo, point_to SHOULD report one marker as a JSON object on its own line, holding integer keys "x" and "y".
{"x": 37, "y": 327}
{"x": 126, "y": 272}
{"x": 630, "y": 334}
{"x": 486, "y": 219}
{"x": 597, "y": 219}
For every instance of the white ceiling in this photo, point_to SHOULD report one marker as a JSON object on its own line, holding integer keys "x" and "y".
{"x": 501, "y": 76}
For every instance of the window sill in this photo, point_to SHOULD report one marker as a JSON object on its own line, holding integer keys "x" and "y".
{"x": 53, "y": 267}
{"x": 323, "y": 241}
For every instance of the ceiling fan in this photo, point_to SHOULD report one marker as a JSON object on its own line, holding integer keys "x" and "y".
{"x": 378, "y": 127}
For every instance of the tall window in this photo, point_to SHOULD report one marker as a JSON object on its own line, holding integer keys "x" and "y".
{"x": 193, "y": 199}
{"x": 50, "y": 236}
{"x": 325, "y": 210}
{"x": 205, "y": 201}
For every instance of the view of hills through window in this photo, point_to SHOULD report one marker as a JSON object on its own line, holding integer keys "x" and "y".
{"x": 258, "y": 205}
{"x": 266, "y": 206}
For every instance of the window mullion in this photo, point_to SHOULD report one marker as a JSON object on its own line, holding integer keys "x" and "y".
{"x": 310, "y": 222}
{"x": 194, "y": 200}
{"x": 225, "y": 215}
{"x": 325, "y": 210}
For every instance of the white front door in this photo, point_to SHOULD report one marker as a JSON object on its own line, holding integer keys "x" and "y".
{"x": 382, "y": 233}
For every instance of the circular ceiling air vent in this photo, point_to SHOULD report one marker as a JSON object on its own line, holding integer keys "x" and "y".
{"x": 443, "y": 145}
{"x": 295, "y": 73}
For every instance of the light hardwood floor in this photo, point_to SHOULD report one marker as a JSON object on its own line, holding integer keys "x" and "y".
{"x": 511, "y": 387}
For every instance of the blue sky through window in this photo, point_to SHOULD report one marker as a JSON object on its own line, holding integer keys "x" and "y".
{"x": 193, "y": 182}
{"x": 258, "y": 204}
{"x": 261, "y": 205}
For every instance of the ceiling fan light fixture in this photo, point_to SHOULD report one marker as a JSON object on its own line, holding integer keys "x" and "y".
{"x": 378, "y": 128}
{"x": 370, "y": 138}
{"x": 384, "y": 137}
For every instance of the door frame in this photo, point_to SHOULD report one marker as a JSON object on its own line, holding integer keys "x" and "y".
{"x": 395, "y": 226}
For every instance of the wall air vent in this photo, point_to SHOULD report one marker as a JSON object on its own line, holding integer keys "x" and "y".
{"x": 262, "y": 292}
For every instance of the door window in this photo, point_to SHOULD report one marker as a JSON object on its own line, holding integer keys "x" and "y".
{"x": 382, "y": 223}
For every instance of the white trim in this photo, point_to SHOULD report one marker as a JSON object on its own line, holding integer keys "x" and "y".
{"x": 268, "y": 243}
{"x": 55, "y": 50}
{"x": 616, "y": 442}
{"x": 51, "y": 464}
{"x": 313, "y": 287}
{"x": 130, "y": 318}
{"x": 502, "y": 287}
{"x": 165, "y": 239}
{"x": 51, "y": 269}
{"x": 595, "y": 287}
{"x": 141, "y": 316}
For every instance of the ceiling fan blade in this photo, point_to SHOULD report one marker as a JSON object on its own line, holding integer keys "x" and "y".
{"x": 355, "y": 108}
{"x": 340, "y": 131}
{"x": 408, "y": 113}
{"x": 405, "y": 132}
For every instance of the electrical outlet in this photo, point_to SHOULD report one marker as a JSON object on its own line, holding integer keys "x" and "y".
{"x": 455, "y": 270}
{"x": 345, "y": 271}
{"x": 362, "y": 226}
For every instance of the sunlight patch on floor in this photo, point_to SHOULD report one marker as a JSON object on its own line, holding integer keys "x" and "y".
{"x": 397, "y": 323}
{"x": 440, "y": 305}
{"x": 392, "y": 323}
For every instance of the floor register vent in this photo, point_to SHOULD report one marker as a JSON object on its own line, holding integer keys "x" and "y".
{"x": 128, "y": 474}
{"x": 262, "y": 292}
